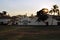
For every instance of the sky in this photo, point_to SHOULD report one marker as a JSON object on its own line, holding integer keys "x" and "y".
{"x": 21, "y": 7}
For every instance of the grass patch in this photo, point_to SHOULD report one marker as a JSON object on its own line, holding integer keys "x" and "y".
{"x": 15, "y": 35}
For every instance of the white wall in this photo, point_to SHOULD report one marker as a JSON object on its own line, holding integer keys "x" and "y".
{"x": 4, "y": 20}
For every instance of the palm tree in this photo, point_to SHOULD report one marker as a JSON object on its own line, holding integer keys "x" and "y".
{"x": 55, "y": 10}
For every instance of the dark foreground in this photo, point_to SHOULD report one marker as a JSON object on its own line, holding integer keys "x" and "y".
{"x": 29, "y": 32}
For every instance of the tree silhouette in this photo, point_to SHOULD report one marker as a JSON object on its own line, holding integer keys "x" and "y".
{"x": 42, "y": 14}
{"x": 55, "y": 10}
{"x": 4, "y": 12}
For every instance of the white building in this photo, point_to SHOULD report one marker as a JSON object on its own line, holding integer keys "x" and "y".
{"x": 52, "y": 20}
{"x": 4, "y": 19}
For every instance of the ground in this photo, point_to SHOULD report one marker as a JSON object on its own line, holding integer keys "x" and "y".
{"x": 29, "y": 33}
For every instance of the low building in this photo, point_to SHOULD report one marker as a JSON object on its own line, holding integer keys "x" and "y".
{"x": 5, "y": 19}
{"x": 52, "y": 20}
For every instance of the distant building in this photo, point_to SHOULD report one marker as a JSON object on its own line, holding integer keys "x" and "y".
{"x": 5, "y": 19}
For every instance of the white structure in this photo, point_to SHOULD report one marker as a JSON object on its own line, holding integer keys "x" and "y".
{"x": 32, "y": 21}
{"x": 5, "y": 20}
